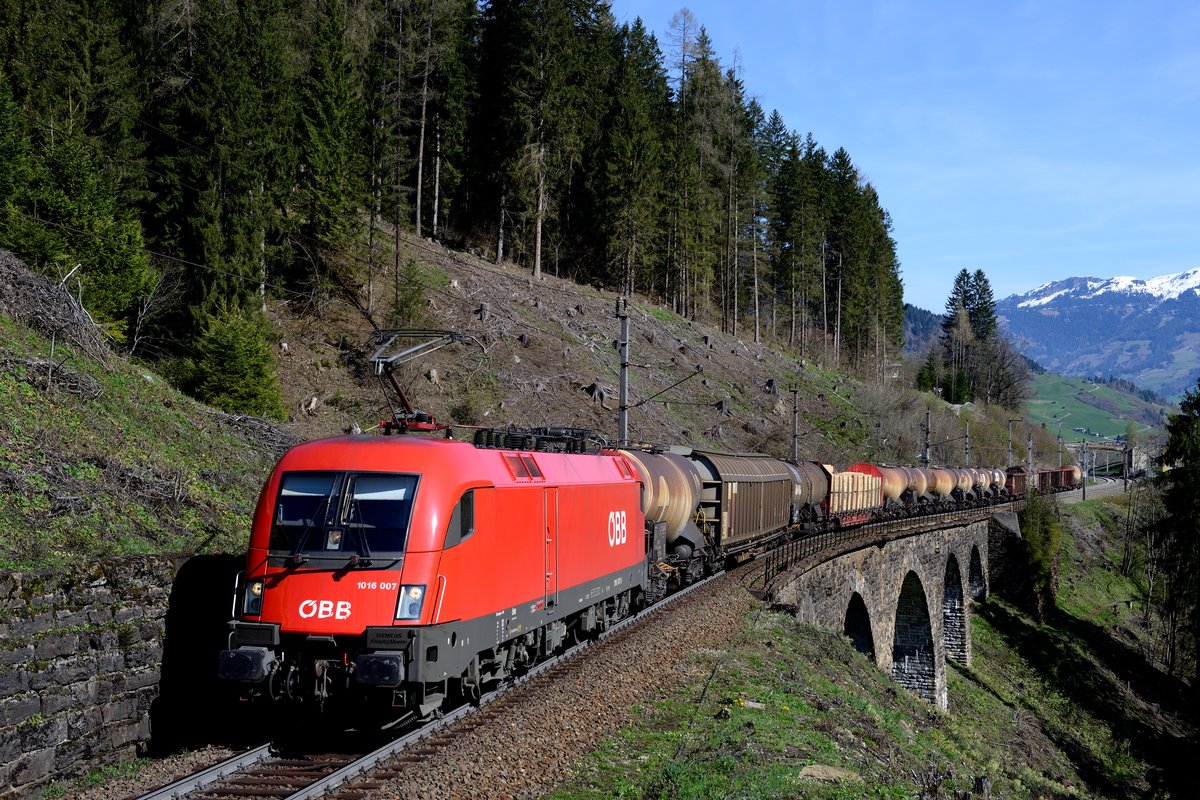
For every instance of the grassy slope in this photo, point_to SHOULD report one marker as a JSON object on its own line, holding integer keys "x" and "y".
{"x": 1038, "y": 713}
{"x": 1063, "y": 404}
{"x": 109, "y": 459}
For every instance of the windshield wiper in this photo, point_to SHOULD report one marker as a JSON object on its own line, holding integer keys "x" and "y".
{"x": 362, "y": 557}
{"x": 297, "y": 556}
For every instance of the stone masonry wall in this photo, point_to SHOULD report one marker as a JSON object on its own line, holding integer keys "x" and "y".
{"x": 87, "y": 657}
{"x": 821, "y": 595}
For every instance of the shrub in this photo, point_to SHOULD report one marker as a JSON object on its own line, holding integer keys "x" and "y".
{"x": 1042, "y": 529}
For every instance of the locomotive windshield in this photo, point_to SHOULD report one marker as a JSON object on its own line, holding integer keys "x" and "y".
{"x": 338, "y": 515}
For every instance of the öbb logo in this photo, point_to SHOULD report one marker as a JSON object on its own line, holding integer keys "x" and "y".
{"x": 324, "y": 609}
{"x": 617, "y": 533}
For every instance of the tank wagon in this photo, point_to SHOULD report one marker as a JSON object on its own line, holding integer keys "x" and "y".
{"x": 388, "y": 575}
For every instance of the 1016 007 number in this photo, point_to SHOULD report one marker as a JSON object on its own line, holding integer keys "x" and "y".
{"x": 617, "y": 532}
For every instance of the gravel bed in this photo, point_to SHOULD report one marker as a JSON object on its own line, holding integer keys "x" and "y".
{"x": 158, "y": 772}
{"x": 531, "y": 748}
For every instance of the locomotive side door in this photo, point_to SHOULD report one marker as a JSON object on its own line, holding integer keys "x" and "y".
{"x": 550, "y": 527}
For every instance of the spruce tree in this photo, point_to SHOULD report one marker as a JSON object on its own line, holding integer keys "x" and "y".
{"x": 877, "y": 317}
{"x": 74, "y": 58}
{"x": 958, "y": 303}
{"x": 14, "y": 152}
{"x": 1178, "y": 593}
{"x": 982, "y": 307}
{"x": 64, "y": 217}
{"x": 233, "y": 155}
{"x": 800, "y": 224}
{"x": 702, "y": 161}
{"x": 330, "y": 189}
{"x": 234, "y": 369}
{"x": 543, "y": 66}
{"x": 627, "y": 181}
{"x": 453, "y": 95}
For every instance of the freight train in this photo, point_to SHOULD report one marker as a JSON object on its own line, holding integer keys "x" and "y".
{"x": 389, "y": 575}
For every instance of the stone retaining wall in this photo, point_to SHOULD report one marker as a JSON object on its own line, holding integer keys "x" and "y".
{"x": 89, "y": 656}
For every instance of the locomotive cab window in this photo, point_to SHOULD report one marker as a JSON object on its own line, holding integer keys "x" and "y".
{"x": 378, "y": 511}
{"x": 462, "y": 520}
{"x": 333, "y": 515}
{"x": 303, "y": 504}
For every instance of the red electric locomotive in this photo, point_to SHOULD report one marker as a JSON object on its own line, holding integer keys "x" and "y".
{"x": 389, "y": 572}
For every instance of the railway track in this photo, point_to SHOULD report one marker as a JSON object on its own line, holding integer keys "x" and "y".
{"x": 270, "y": 771}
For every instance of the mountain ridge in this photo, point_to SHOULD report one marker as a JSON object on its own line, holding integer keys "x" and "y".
{"x": 1164, "y": 287}
{"x": 1144, "y": 330}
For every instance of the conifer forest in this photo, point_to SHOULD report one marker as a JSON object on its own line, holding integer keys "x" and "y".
{"x": 180, "y": 161}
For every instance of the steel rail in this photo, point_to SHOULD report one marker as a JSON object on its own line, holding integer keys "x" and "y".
{"x": 210, "y": 775}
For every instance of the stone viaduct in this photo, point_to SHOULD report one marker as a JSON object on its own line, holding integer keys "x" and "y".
{"x": 904, "y": 602}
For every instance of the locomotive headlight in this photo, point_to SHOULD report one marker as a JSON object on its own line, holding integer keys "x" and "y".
{"x": 412, "y": 597}
{"x": 252, "y": 605}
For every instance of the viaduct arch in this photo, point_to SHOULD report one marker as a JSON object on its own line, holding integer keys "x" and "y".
{"x": 904, "y": 603}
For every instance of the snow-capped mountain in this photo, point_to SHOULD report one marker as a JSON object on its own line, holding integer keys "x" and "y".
{"x": 1167, "y": 287}
{"x": 1147, "y": 331}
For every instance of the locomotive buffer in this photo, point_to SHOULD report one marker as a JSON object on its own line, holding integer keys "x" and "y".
{"x": 388, "y": 356}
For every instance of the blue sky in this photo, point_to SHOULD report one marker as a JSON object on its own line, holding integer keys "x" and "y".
{"x": 1033, "y": 140}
